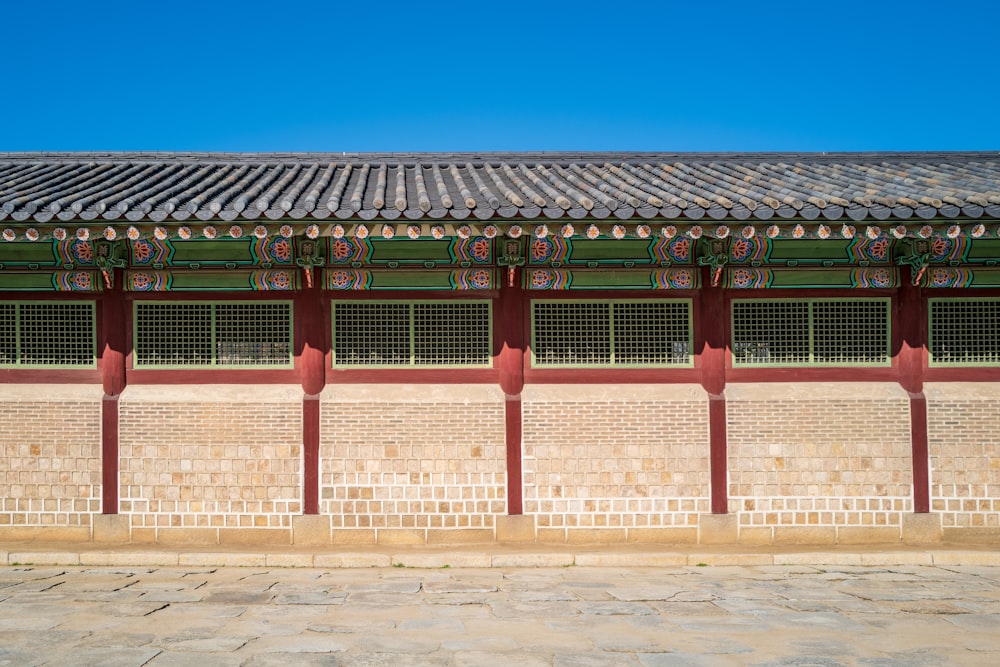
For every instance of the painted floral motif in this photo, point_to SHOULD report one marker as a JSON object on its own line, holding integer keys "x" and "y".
{"x": 668, "y": 232}
{"x": 209, "y": 232}
{"x": 260, "y": 231}
{"x": 337, "y": 232}
{"x": 541, "y": 231}
{"x": 742, "y": 278}
{"x": 618, "y": 231}
{"x": 132, "y": 233}
{"x": 680, "y": 279}
{"x": 593, "y": 231}
{"x": 464, "y": 232}
{"x": 515, "y": 231}
{"x": 940, "y": 277}
{"x": 110, "y": 233}
{"x": 823, "y": 232}
{"x": 281, "y": 250}
{"x": 184, "y": 233}
{"x": 480, "y": 279}
{"x": 280, "y": 280}
{"x": 83, "y": 252}
{"x": 695, "y": 232}
{"x": 679, "y": 249}
{"x": 741, "y": 249}
{"x": 873, "y": 232}
{"x": 541, "y": 250}
{"x": 341, "y": 249}
{"x": 59, "y": 234}
{"x": 361, "y": 232}
{"x": 9, "y": 235}
{"x": 312, "y": 231}
{"x": 490, "y": 231}
{"x": 480, "y": 249}
{"x": 848, "y": 231}
{"x": 437, "y": 231}
{"x": 81, "y": 281}
{"x": 341, "y": 280}
{"x": 388, "y": 231}
{"x": 881, "y": 278}
{"x": 142, "y": 251}
{"x": 286, "y": 231}
{"x": 160, "y": 233}
{"x": 773, "y": 231}
{"x": 236, "y": 231}
{"x": 643, "y": 231}
{"x": 721, "y": 232}
{"x": 141, "y": 282}
{"x": 879, "y": 249}
{"x": 899, "y": 231}
{"x": 541, "y": 279}
{"x": 748, "y": 232}
{"x": 954, "y": 231}
{"x": 413, "y": 231}
{"x": 31, "y": 234}
{"x": 799, "y": 231}
{"x": 926, "y": 231}
{"x": 567, "y": 231}
{"x": 978, "y": 231}
{"x": 940, "y": 247}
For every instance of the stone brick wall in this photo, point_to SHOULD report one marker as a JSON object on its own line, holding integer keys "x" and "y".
{"x": 626, "y": 457}
{"x": 825, "y": 457}
{"x": 197, "y": 460}
{"x": 412, "y": 458}
{"x": 50, "y": 458}
{"x": 964, "y": 449}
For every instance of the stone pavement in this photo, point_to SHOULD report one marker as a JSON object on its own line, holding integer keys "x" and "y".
{"x": 573, "y": 615}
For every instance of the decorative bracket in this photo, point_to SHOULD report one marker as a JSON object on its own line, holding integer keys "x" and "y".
{"x": 918, "y": 259}
{"x": 512, "y": 257}
{"x": 308, "y": 258}
{"x": 718, "y": 258}
{"x": 107, "y": 259}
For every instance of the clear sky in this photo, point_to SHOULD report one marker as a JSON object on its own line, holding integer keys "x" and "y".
{"x": 490, "y": 76}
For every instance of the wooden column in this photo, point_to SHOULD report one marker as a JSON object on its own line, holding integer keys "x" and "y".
{"x": 911, "y": 314}
{"x": 510, "y": 326}
{"x": 112, "y": 349}
{"x": 310, "y": 318}
{"x": 711, "y": 337}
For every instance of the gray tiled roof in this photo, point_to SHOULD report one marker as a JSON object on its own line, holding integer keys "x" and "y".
{"x": 163, "y": 187}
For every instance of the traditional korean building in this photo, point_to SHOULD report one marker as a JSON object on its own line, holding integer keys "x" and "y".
{"x": 446, "y": 348}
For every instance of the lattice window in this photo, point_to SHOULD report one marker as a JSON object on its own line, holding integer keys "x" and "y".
{"x": 48, "y": 334}
{"x": 408, "y": 334}
{"x": 964, "y": 332}
{"x": 235, "y": 334}
{"x": 810, "y": 332}
{"x": 611, "y": 333}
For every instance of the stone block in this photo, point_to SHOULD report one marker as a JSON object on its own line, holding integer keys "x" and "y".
{"x": 628, "y": 558}
{"x": 519, "y": 528}
{"x": 439, "y": 559}
{"x": 595, "y": 535}
{"x": 45, "y": 534}
{"x": 115, "y": 528}
{"x": 288, "y": 560}
{"x": 921, "y": 528}
{"x": 187, "y": 536}
{"x": 897, "y": 558}
{"x": 662, "y": 535}
{"x": 534, "y": 559}
{"x": 805, "y": 535}
{"x": 311, "y": 530}
{"x": 255, "y": 536}
{"x": 972, "y": 535}
{"x": 129, "y": 558}
{"x": 460, "y": 536}
{"x": 354, "y": 536}
{"x": 551, "y": 535}
{"x": 43, "y": 558}
{"x": 222, "y": 559}
{"x": 738, "y": 559}
{"x": 356, "y": 560}
{"x": 143, "y": 536}
{"x": 718, "y": 529}
{"x": 818, "y": 558}
{"x": 868, "y": 535}
{"x": 963, "y": 557}
{"x": 757, "y": 536}
{"x": 394, "y": 536}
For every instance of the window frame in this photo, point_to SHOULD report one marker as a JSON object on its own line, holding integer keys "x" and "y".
{"x": 18, "y": 334}
{"x": 613, "y": 365}
{"x": 931, "y": 363}
{"x": 138, "y": 364}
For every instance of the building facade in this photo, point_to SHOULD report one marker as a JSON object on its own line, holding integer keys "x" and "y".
{"x": 430, "y": 348}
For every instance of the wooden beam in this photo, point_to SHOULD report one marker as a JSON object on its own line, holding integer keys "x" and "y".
{"x": 710, "y": 344}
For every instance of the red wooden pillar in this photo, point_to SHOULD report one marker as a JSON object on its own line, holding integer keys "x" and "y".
{"x": 310, "y": 318}
{"x": 911, "y": 314}
{"x": 510, "y": 332}
{"x": 711, "y": 336}
{"x": 112, "y": 348}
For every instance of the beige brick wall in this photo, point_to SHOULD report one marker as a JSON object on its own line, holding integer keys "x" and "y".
{"x": 819, "y": 454}
{"x": 615, "y": 456}
{"x": 210, "y": 456}
{"x": 50, "y": 465}
{"x": 412, "y": 456}
{"x": 963, "y": 420}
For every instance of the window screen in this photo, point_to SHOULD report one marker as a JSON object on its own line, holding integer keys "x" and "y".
{"x": 47, "y": 334}
{"x": 410, "y": 334}
{"x": 964, "y": 332}
{"x": 229, "y": 335}
{"x": 822, "y": 332}
{"x": 611, "y": 333}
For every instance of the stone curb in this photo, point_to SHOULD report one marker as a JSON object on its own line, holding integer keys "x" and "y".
{"x": 417, "y": 558}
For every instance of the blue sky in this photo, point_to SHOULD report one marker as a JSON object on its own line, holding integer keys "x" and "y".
{"x": 490, "y": 76}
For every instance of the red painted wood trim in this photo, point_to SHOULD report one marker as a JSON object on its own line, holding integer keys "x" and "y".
{"x": 209, "y": 376}
{"x": 910, "y": 314}
{"x": 515, "y": 485}
{"x": 798, "y": 374}
{"x": 311, "y": 345}
{"x": 411, "y": 375}
{"x": 510, "y": 337}
{"x": 113, "y": 337}
{"x": 718, "y": 453}
{"x": 46, "y": 376}
{"x": 921, "y": 467}
{"x": 310, "y": 454}
{"x": 612, "y": 376}
{"x": 109, "y": 454}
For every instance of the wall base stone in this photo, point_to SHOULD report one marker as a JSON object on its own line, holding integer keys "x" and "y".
{"x": 255, "y": 536}
{"x": 662, "y": 535}
{"x": 357, "y": 536}
{"x": 969, "y": 535}
{"x": 718, "y": 529}
{"x": 311, "y": 530}
{"x": 113, "y": 528}
{"x": 868, "y": 535}
{"x": 921, "y": 528}
{"x": 45, "y": 534}
{"x": 805, "y": 535}
{"x": 518, "y": 528}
